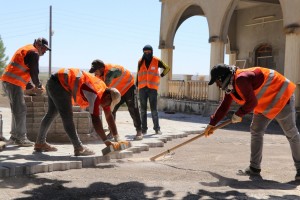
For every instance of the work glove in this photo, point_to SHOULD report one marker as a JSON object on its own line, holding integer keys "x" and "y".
{"x": 38, "y": 91}
{"x": 117, "y": 138}
{"x": 235, "y": 119}
{"x": 115, "y": 145}
{"x": 209, "y": 130}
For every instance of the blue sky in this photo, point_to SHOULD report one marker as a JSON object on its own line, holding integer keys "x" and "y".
{"x": 114, "y": 31}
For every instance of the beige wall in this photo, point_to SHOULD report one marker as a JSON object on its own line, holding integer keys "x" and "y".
{"x": 248, "y": 38}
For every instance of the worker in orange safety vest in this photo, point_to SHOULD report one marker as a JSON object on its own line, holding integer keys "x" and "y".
{"x": 148, "y": 79}
{"x": 269, "y": 95}
{"x": 122, "y": 79}
{"x": 23, "y": 66}
{"x": 70, "y": 86}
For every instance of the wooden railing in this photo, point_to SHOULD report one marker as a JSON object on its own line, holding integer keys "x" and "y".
{"x": 189, "y": 90}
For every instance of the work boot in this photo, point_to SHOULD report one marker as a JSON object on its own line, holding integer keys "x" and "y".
{"x": 24, "y": 142}
{"x": 138, "y": 136}
{"x": 44, "y": 147}
{"x": 83, "y": 151}
{"x": 12, "y": 140}
{"x": 297, "y": 177}
{"x": 251, "y": 171}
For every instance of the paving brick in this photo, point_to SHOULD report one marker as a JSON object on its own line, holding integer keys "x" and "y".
{"x": 154, "y": 143}
{"x": 134, "y": 149}
{"x": 75, "y": 165}
{"x": 121, "y": 154}
{"x": 61, "y": 166}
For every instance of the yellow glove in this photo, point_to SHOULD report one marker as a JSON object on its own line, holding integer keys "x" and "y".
{"x": 235, "y": 119}
{"x": 209, "y": 130}
{"x": 115, "y": 145}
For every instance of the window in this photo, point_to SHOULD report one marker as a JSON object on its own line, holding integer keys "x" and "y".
{"x": 263, "y": 56}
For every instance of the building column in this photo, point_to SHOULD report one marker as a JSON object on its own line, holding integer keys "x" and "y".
{"x": 167, "y": 58}
{"x": 232, "y": 59}
{"x": 216, "y": 57}
{"x": 292, "y": 62}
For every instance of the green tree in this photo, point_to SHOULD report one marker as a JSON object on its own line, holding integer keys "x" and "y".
{"x": 3, "y": 57}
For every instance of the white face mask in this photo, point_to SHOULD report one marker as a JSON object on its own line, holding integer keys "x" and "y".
{"x": 229, "y": 89}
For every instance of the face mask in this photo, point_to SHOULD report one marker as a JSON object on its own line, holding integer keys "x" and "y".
{"x": 229, "y": 89}
{"x": 147, "y": 56}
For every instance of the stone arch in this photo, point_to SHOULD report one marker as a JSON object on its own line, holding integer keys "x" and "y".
{"x": 182, "y": 14}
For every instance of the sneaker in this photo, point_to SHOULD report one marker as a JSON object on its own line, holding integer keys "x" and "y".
{"x": 24, "y": 142}
{"x": 44, "y": 147}
{"x": 297, "y": 177}
{"x": 83, "y": 151}
{"x": 158, "y": 132}
{"x": 251, "y": 171}
{"x": 110, "y": 136}
{"x": 12, "y": 140}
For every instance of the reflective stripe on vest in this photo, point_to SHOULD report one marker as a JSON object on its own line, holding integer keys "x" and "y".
{"x": 73, "y": 89}
{"x": 72, "y": 80}
{"x": 272, "y": 95}
{"x": 149, "y": 77}
{"x": 17, "y": 72}
{"x": 123, "y": 82}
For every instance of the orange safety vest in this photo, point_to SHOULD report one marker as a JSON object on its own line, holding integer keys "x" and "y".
{"x": 72, "y": 80}
{"x": 17, "y": 72}
{"x": 272, "y": 95}
{"x": 123, "y": 82}
{"x": 149, "y": 77}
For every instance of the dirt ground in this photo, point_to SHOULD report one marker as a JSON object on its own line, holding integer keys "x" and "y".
{"x": 203, "y": 169}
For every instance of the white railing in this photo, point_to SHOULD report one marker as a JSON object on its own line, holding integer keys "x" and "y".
{"x": 189, "y": 90}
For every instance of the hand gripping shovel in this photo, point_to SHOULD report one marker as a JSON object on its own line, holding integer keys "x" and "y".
{"x": 225, "y": 123}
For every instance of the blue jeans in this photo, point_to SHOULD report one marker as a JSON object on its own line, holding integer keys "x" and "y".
{"x": 18, "y": 110}
{"x": 151, "y": 94}
{"x": 59, "y": 102}
{"x": 287, "y": 121}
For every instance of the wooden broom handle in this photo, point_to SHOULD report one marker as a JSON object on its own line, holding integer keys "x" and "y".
{"x": 225, "y": 123}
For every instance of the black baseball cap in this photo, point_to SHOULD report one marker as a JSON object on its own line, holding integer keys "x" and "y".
{"x": 44, "y": 42}
{"x": 219, "y": 71}
{"x": 96, "y": 64}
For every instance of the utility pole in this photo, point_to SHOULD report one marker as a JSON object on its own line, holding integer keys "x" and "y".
{"x": 50, "y": 40}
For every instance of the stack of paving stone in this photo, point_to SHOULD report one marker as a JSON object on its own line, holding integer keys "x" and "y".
{"x": 37, "y": 106}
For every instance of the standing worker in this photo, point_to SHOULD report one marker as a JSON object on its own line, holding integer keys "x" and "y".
{"x": 270, "y": 95}
{"x": 120, "y": 78}
{"x": 23, "y": 66}
{"x": 86, "y": 90}
{"x": 148, "y": 79}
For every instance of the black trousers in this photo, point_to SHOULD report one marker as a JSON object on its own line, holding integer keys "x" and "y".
{"x": 130, "y": 98}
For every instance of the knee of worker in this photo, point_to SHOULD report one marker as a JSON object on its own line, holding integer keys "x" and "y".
{"x": 20, "y": 111}
{"x": 293, "y": 135}
{"x": 51, "y": 114}
{"x": 257, "y": 131}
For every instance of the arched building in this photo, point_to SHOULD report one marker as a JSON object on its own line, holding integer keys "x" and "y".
{"x": 253, "y": 33}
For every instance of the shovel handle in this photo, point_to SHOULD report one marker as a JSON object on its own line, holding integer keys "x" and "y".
{"x": 225, "y": 123}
